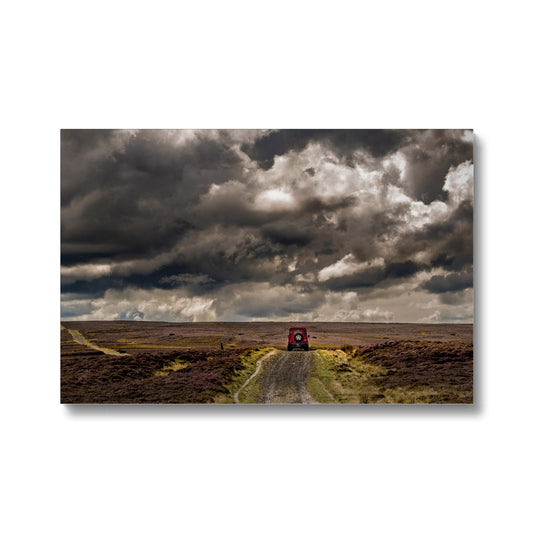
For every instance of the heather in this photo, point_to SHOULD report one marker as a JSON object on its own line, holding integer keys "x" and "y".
{"x": 163, "y": 362}
{"x": 142, "y": 379}
{"x": 398, "y": 372}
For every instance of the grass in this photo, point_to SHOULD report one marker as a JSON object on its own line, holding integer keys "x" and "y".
{"x": 348, "y": 349}
{"x": 251, "y": 392}
{"x": 395, "y": 373}
{"x": 320, "y": 381}
{"x": 348, "y": 379}
{"x": 173, "y": 366}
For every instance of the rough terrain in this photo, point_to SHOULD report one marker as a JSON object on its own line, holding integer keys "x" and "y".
{"x": 284, "y": 379}
{"x": 162, "y": 362}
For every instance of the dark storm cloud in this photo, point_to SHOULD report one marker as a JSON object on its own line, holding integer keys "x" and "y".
{"x": 450, "y": 241}
{"x": 287, "y": 234}
{"x": 187, "y": 213}
{"x": 401, "y": 270}
{"x": 457, "y": 281}
{"x": 454, "y": 298}
{"x": 95, "y": 287}
{"x": 234, "y": 207}
{"x": 129, "y": 202}
{"x": 342, "y": 142}
{"x": 429, "y": 158}
{"x": 365, "y": 233}
{"x": 79, "y": 141}
{"x": 374, "y": 276}
{"x": 266, "y": 308}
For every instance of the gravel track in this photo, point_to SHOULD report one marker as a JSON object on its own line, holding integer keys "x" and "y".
{"x": 284, "y": 379}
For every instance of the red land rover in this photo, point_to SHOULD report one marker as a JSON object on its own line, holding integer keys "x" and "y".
{"x": 298, "y": 339}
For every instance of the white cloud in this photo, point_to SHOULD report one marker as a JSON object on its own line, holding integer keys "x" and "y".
{"x": 468, "y": 136}
{"x": 460, "y": 183}
{"x": 152, "y": 304}
{"x": 305, "y": 278}
{"x": 377, "y": 315}
{"x": 87, "y": 271}
{"x": 347, "y": 266}
{"x": 434, "y": 317}
{"x": 274, "y": 200}
{"x": 421, "y": 214}
{"x": 398, "y": 160}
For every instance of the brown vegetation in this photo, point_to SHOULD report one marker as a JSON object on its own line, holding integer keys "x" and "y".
{"x": 142, "y": 379}
{"x": 183, "y": 362}
{"x": 162, "y": 337}
{"x": 399, "y": 372}
{"x": 417, "y": 363}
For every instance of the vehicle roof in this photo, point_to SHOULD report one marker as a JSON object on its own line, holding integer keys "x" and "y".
{"x": 298, "y": 327}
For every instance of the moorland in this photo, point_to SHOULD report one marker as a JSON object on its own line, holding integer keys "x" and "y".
{"x": 165, "y": 362}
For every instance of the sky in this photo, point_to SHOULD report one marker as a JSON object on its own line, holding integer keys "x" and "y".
{"x": 261, "y": 225}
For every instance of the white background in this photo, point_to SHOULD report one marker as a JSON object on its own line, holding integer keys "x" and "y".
{"x": 408, "y": 64}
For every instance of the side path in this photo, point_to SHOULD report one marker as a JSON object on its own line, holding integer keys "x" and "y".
{"x": 80, "y": 339}
{"x": 257, "y": 369}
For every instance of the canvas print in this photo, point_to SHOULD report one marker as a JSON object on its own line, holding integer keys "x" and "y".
{"x": 267, "y": 266}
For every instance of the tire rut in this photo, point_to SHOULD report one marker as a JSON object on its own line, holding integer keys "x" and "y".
{"x": 284, "y": 379}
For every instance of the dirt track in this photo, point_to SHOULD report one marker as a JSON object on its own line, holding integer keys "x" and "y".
{"x": 80, "y": 339}
{"x": 284, "y": 379}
